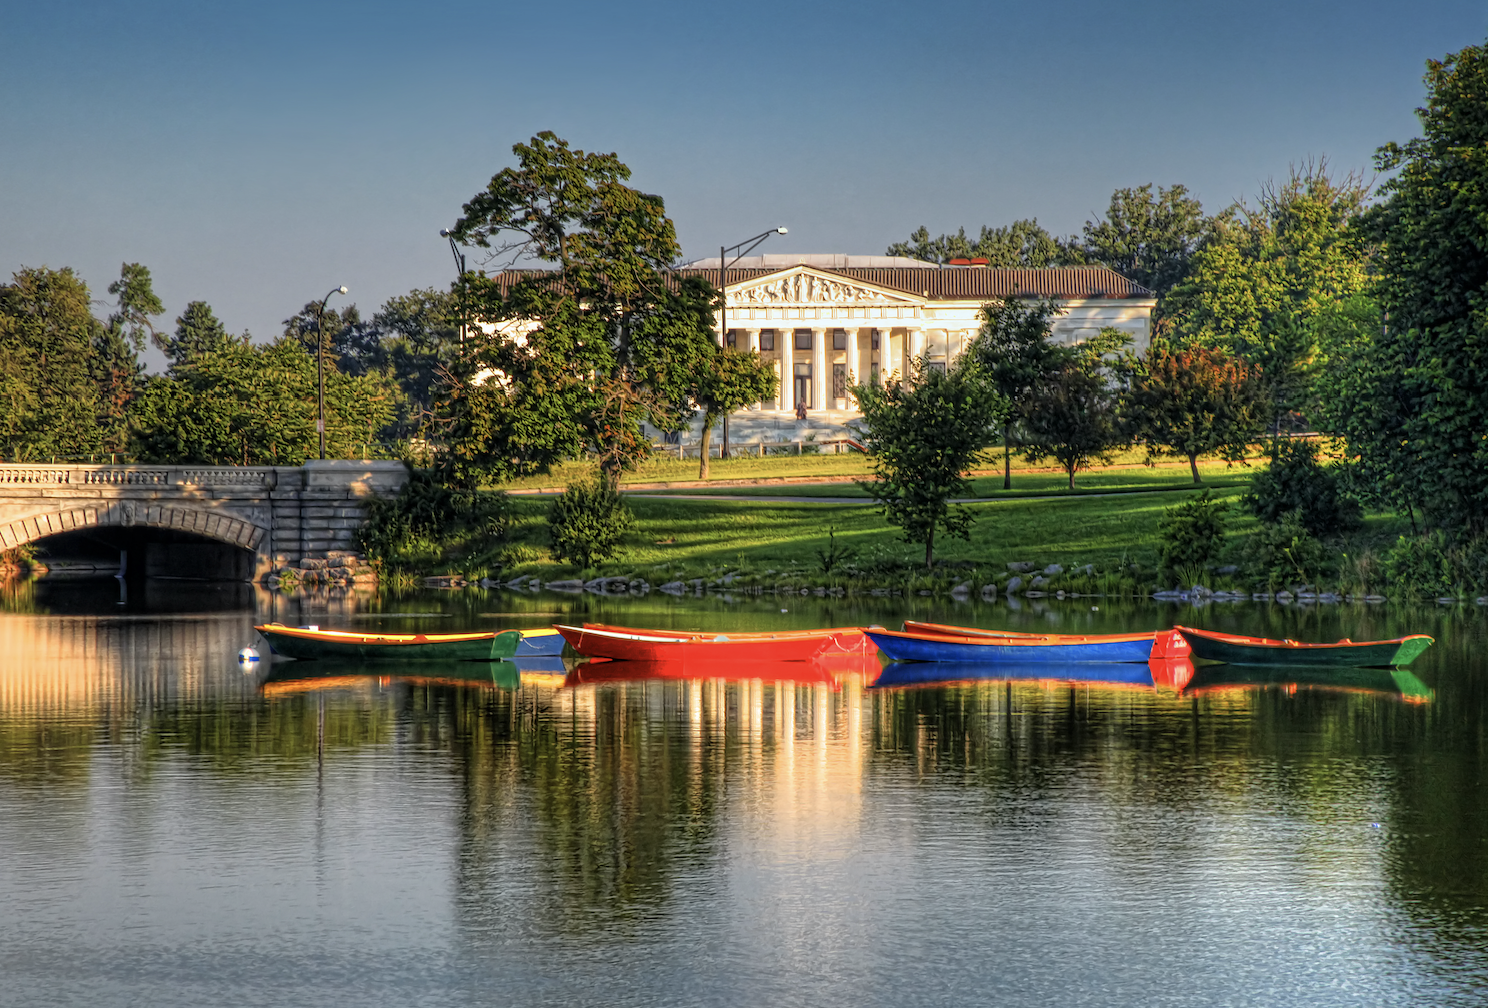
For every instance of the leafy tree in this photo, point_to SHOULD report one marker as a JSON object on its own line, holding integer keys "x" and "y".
{"x": 1259, "y": 283}
{"x": 1148, "y": 238}
{"x": 1021, "y": 243}
{"x": 47, "y": 340}
{"x": 1198, "y": 401}
{"x": 197, "y": 332}
{"x": 727, "y": 379}
{"x": 1074, "y": 414}
{"x": 418, "y": 337}
{"x": 578, "y": 356}
{"x": 1012, "y": 352}
{"x": 923, "y": 437}
{"x": 348, "y": 342}
{"x": 243, "y": 404}
{"x": 1417, "y": 404}
{"x": 587, "y": 522}
{"x": 137, "y": 303}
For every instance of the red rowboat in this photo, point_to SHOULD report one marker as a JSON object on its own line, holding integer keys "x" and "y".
{"x": 812, "y": 672}
{"x": 710, "y": 648}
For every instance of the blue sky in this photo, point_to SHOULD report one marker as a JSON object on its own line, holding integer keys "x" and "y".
{"x": 256, "y": 155}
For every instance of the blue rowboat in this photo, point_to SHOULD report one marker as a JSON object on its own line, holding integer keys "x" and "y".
{"x": 542, "y": 642}
{"x": 919, "y": 646}
{"x": 942, "y": 673}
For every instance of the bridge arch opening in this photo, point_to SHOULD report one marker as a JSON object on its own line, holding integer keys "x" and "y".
{"x": 137, "y": 553}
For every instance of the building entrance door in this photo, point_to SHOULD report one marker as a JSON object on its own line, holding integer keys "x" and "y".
{"x": 803, "y": 386}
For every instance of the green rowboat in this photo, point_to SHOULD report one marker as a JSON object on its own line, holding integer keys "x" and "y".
{"x": 1388, "y": 681}
{"x": 1232, "y": 649}
{"x": 312, "y": 643}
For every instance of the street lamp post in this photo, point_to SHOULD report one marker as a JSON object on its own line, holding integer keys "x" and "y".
{"x": 320, "y": 365}
{"x": 459, "y": 271}
{"x": 745, "y": 247}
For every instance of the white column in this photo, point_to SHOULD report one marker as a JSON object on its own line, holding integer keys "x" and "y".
{"x": 914, "y": 346}
{"x": 753, "y": 347}
{"x": 820, "y": 387}
{"x": 854, "y": 374}
{"x": 785, "y": 340}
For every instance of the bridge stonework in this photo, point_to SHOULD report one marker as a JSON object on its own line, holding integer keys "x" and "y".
{"x": 284, "y": 514}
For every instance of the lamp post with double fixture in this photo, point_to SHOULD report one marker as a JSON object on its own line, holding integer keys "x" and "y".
{"x": 745, "y": 247}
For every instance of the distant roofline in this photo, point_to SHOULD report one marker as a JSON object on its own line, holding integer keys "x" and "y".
{"x": 821, "y": 260}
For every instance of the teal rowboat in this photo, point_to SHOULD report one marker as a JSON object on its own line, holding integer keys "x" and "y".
{"x": 1232, "y": 649}
{"x": 307, "y": 643}
{"x": 1386, "y": 681}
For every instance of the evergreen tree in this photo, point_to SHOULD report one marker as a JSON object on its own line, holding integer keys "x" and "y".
{"x": 197, "y": 332}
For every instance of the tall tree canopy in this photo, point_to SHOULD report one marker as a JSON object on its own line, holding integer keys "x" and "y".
{"x": 1412, "y": 400}
{"x": 581, "y": 354}
{"x": 1076, "y": 412}
{"x": 1198, "y": 401}
{"x": 197, "y": 332}
{"x": 1148, "y": 238}
{"x": 1012, "y": 352}
{"x": 1021, "y": 243}
{"x": 244, "y": 404}
{"x": 48, "y": 377}
{"x": 1265, "y": 276}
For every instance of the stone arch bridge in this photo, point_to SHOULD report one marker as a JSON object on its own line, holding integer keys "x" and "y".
{"x": 266, "y": 516}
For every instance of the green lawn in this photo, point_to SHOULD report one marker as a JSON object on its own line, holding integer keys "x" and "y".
{"x": 784, "y": 537}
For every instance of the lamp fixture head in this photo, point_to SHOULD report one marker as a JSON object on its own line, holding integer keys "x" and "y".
{"x": 781, "y": 230}
{"x": 340, "y": 290}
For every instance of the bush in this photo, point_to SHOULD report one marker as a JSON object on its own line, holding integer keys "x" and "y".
{"x": 428, "y": 522}
{"x": 1294, "y": 481}
{"x": 1285, "y": 552}
{"x": 1420, "y": 566}
{"x": 1192, "y": 534}
{"x": 586, "y": 523}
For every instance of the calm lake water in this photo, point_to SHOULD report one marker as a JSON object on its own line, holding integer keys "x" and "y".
{"x": 177, "y": 829}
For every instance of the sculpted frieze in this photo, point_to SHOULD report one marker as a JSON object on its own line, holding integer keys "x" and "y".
{"x": 800, "y": 288}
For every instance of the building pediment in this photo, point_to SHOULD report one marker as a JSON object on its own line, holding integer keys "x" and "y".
{"x": 803, "y": 285}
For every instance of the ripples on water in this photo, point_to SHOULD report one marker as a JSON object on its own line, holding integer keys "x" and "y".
{"x": 175, "y": 831}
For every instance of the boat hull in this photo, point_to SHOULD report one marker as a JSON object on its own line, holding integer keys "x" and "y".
{"x": 546, "y": 642}
{"x": 1054, "y": 650}
{"x": 1231, "y": 649}
{"x": 311, "y": 645}
{"x": 905, "y": 674}
{"x": 704, "y": 650}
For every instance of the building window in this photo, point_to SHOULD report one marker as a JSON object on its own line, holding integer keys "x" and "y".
{"x": 839, "y": 339}
{"x": 767, "y": 339}
{"x": 839, "y": 381}
{"x": 731, "y": 338}
{"x": 803, "y": 339}
{"x": 875, "y": 339}
{"x": 802, "y": 383}
{"x": 938, "y": 366}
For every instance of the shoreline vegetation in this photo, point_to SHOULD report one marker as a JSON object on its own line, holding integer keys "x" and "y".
{"x": 1104, "y": 539}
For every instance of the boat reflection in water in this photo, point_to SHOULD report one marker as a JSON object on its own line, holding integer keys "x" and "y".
{"x": 830, "y": 669}
{"x": 900, "y": 674}
{"x": 1398, "y": 682}
{"x": 304, "y": 677}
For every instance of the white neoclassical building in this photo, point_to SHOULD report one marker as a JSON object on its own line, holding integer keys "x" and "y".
{"x": 828, "y": 321}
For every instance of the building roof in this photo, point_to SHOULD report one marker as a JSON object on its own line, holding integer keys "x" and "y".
{"x": 951, "y": 283}
{"x": 821, "y": 260}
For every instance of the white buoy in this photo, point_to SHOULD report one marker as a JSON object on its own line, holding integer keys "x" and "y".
{"x": 247, "y": 655}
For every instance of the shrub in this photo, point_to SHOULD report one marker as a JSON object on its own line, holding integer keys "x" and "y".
{"x": 1285, "y": 552}
{"x": 587, "y": 522}
{"x": 1294, "y": 481}
{"x": 1192, "y": 534}
{"x": 1420, "y": 566}
{"x": 429, "y": 521}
